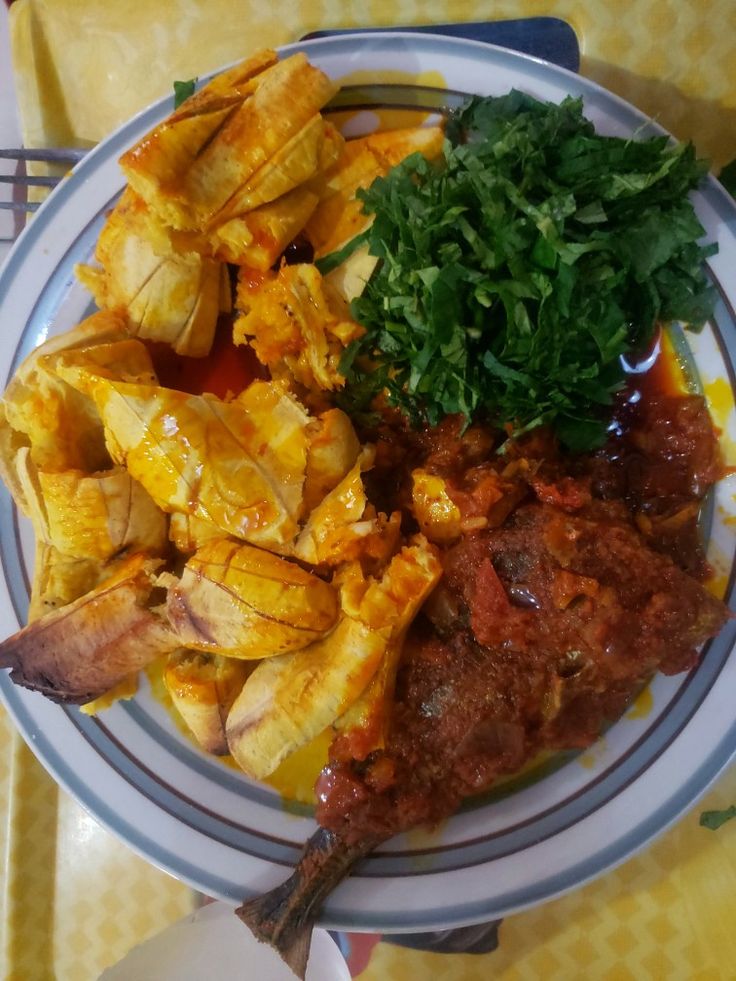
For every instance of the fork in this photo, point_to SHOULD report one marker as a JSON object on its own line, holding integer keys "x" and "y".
{"x": 59, "y": 155}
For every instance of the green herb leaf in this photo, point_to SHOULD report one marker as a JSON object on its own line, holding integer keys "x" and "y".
{"x": 182, "y": 91}
{"x": 518, "y": 270}
{"x": 331, "y": 261}
{"x": 714, "y": 819}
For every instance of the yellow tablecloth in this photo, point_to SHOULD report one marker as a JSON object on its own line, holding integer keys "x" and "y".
{"x": 74, "y": 900}
{"x": 86, "y": 65}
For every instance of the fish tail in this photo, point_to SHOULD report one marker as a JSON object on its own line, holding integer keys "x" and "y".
{"x": 285, "y": 916}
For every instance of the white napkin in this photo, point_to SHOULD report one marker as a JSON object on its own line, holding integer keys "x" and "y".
{"x": 212, "y": 943}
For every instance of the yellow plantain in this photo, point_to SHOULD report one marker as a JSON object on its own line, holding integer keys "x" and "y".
{"x": 238, "y": 465}
{"x": 81, "y": 651}
{"x": 202, "y": 688}
{"x": 344, "y": 526}
{"x": 257, "y": 238}
{"x": 122, "y": 691}
{"x": 315, "y": 147}
{"x": 191, "y": 165}
{"x": 339, "y": 215}
{"x": 167, "y": 296}
{"x": 349, "y": 279}
{"x": 188, "y": 533}
{"x": 157, "y": 165}
{"x": 60, "y": 425}
{"x": 12, "y": 443}
{"x": 60, "y": 579}
{"x": 244, "y": 602}
{"x": 288, "y": 700}
{"x": 364, "y": 727}
{"x": 333, "y": 449}
{"x": 437, "y": 514}
{"x": 291, "y": 326}
{"x": 100, "y": 515}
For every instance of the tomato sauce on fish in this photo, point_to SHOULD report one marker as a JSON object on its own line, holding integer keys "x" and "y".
{"x": 575, "y": 580}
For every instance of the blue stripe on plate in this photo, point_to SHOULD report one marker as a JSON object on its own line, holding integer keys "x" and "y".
{"x": 505, "y": 903}
{"x": 174, "y": 802}
{"x": 65, "y": 774}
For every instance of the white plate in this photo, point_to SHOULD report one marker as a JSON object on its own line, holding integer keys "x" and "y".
{"x": 187, "y": 951}
{"x": 231, "y": 837}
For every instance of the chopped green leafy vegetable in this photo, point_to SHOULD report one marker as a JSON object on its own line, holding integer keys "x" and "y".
{"x": 714, "y": 819}
{"x": 334, "y": 259}
{"x": 182, "y": 91}
{"x": 517, "y": 270}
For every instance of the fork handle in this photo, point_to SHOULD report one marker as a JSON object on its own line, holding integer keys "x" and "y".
{"x": 51, "y": 155}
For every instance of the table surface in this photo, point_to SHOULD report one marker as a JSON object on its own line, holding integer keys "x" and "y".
{"x": 73, "y": 898}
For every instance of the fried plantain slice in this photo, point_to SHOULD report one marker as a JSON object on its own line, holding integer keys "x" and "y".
{"x": 81, "y": 651}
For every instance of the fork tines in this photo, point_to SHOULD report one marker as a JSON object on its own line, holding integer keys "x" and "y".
{"x": 29, "y": 181}
{"x": 19, "y": 205}
{"x": 60, "y": 156}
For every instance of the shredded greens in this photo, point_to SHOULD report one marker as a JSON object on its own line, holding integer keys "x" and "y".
{"x": 182, "y": 91}
{"x": 517, "y": 270}
{"x": 714, "y": 819}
